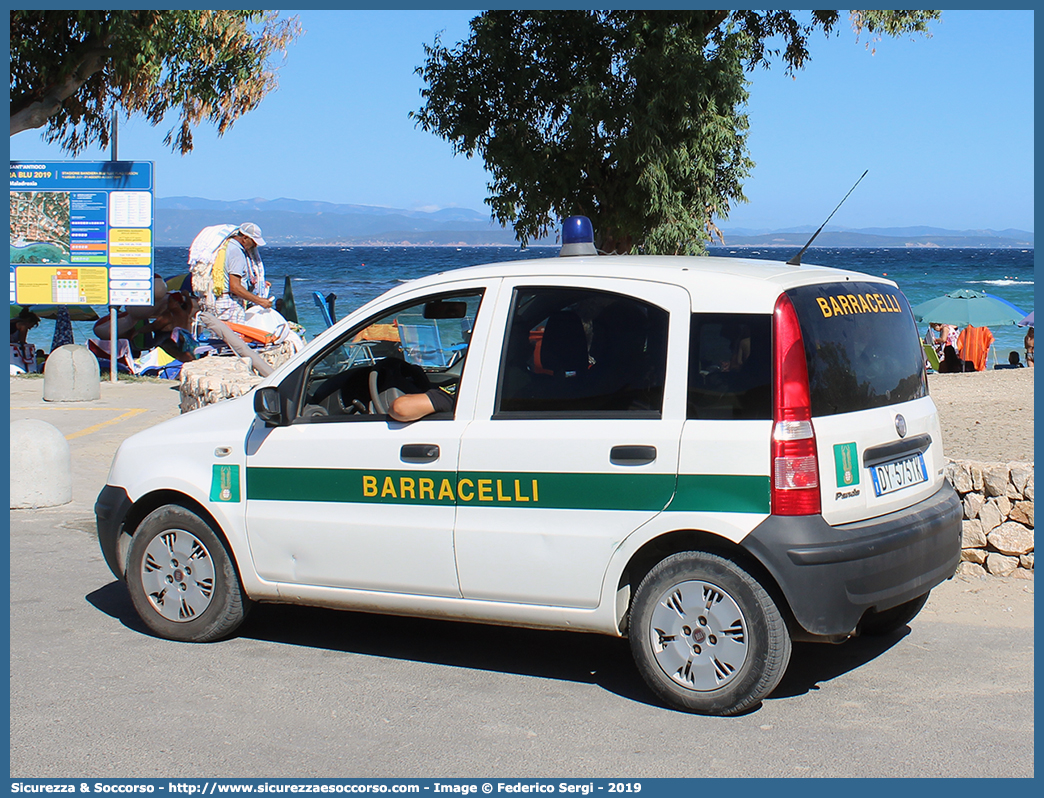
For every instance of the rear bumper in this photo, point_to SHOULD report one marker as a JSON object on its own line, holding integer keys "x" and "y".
{"x": 110, "y": 510}
{"x": 830, "y": 576}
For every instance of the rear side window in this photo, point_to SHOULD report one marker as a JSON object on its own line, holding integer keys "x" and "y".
{"x": 861, "y": 345}
{"x": 730, "y": 366}
{"x": 580, "y": 353}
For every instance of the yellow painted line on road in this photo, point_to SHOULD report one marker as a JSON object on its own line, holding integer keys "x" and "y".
{"x": 123, "y": 417}
{"x": 134, "y": 411}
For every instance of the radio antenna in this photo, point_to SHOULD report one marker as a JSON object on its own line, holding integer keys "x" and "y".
{"x": 796, "y": 260}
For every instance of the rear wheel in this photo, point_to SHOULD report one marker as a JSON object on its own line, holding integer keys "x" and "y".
{"x": 888, "y": 621}
{"x": 181, "y": 578}
{"x": 706, "y": 636}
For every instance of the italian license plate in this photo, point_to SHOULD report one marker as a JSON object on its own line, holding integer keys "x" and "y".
{"x": 899, "y": 474}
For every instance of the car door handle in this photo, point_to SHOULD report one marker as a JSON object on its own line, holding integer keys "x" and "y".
{"x": 419, "y": 453}
{"x": 632, "y": 455}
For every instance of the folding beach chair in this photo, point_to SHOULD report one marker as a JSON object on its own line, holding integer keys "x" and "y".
{"x": 324, "y": 309}
{"x": 422, "y": 345}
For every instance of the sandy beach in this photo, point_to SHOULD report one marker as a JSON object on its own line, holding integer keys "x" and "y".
{"x": 986, "y": 415}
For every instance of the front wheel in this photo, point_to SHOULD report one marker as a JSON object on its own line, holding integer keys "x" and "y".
{"x": 706, "y": 636}
{"x": 181, "y": 578}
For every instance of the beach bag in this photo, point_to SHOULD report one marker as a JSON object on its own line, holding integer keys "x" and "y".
{"x": 206, "y": 262}
{"x": 274, "y": 324}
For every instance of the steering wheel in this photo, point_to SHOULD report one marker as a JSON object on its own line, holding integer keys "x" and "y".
{"x": 375, "y": 396}
{"x": 381, "y": 400}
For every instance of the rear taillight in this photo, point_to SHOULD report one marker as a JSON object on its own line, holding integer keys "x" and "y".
{"x": 795, "y": 465}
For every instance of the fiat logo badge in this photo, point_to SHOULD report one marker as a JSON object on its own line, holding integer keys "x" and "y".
{"x": 900, "y": 425}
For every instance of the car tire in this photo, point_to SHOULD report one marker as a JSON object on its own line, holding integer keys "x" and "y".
{"x": 181, "y": 578}
{"x": 706, "y": 636}
{"x": 875, "y": 624}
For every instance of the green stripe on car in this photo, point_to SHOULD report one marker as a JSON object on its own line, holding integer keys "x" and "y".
{"x": 549, "y": 490}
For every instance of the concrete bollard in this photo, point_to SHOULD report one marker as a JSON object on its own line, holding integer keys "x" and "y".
{"x": 41, "y": 466}
{"x": 71, "y": 374}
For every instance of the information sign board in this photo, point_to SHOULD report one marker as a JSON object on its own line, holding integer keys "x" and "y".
{"x": 82, "y": 232}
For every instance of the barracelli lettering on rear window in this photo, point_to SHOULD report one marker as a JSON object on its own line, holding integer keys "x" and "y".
{"x": 847, "y": 304}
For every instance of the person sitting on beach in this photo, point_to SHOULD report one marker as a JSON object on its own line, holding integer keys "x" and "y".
{"x": 21, "y": 325}
{"x": 1013, "y": 362}
{"x": 1028, "y": 343}
{"x": 933, "y": 337}
{"x": 172, "y": 327}
{"x": 951, "y": 362}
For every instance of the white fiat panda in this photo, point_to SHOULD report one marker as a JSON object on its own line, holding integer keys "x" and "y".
{"x": 711, "y": 456}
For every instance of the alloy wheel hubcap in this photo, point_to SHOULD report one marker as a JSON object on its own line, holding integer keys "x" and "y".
{"x": 177, "y": 574}
{"x": 699, "y": 636}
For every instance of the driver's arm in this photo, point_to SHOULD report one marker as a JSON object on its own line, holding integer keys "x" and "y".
{"x": 411, "y": 406}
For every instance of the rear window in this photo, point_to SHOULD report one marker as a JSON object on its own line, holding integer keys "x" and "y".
{"x": 861, "y": 345}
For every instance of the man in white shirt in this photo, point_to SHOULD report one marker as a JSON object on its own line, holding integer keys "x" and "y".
{"x": 245, "y": 275}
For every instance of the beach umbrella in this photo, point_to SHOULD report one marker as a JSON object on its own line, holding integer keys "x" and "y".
{"x": 1028, "y": 321}
{"x": 965, "y": 307}
{"x": 76, "y": 312}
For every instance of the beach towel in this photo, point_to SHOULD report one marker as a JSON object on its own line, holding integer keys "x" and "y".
{"x": 974, "y": 344}
{"x": 124, "y": 359}
{"x": 23, "y": 359}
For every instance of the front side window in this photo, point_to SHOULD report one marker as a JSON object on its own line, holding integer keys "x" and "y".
{"x": 573, "y": 352}
{"x": 411, "y": 349}
{"x": 861, "y": 346}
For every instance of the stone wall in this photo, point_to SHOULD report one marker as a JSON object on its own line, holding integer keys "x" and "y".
{"x": 997, "y": 536}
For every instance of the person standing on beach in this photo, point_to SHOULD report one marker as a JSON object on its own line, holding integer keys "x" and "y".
{"x": 244, "y": 275}
{"x": 1028, "y": 343}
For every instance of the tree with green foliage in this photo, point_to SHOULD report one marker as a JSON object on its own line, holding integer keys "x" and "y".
{"x": 633, "y": 118}
{"x": 71, "y": 69}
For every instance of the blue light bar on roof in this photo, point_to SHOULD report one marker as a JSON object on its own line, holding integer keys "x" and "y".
{"x": 577, "y": 237}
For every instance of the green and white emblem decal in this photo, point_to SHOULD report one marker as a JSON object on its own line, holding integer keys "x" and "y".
{"x": 224, "y": 483}
{"x": 846, "y": 458}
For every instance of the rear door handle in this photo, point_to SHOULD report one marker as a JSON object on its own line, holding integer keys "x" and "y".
{"x": 632, "y": 455}
{"x": 419, "y": 453}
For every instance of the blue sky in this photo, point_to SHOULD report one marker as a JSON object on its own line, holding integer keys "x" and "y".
{"x": 944, "y": 125}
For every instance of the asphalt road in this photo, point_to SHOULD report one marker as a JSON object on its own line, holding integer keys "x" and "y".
{"x": 303, "y": 692}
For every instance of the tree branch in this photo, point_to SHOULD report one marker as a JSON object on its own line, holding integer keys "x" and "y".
{"x": 90, "y": 58}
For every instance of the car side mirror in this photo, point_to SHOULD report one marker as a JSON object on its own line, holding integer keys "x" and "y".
{"x": 269, "y": 407}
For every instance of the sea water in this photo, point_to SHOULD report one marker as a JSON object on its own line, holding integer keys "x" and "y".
{"x": 356, "y": 275}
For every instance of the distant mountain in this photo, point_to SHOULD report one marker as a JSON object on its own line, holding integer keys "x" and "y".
{"x": 290, "y": 222}
{"x": 878, "y": 237}
{"x": 883, "y": 237}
